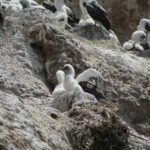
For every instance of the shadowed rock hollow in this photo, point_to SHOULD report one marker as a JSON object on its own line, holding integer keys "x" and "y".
{"x": 33, "y": 48}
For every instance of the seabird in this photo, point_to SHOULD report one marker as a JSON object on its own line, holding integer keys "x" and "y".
{"x": 84, "y": 81}
{"x": 85, "y": 17}
{"x": 87, "y": 74}
{"x": 97, "y": 12}
{"x": 60, "y": 75}
{"x": 135, "y": 42}
{"x": 70, "y": 84}
{"x": 144, "y": 25}
{"x": 71, "y": 17}
{"x": 61, "y": 14}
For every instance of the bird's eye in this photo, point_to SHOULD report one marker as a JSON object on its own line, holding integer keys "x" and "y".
{"x": 66, "y": 68}
{"x": 3, "y": 7}
{"x": 84, "y": 4}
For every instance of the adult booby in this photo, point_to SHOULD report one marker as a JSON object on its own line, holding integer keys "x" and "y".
{"x": 60, "y": 75}
{"x": 70, "y": 84}
{"x": 71, "y": 17}
{"x": 82, "y": 81}
{"x": 61, "y": 14}
{"x": 85, "y": 17}
{"x": 135, "y": 42}
{"x": 97, "y": 12}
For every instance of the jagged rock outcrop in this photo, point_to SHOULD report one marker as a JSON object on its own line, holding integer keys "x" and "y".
{"x": 95, "y": 126}
{"x": 33, "y": 47}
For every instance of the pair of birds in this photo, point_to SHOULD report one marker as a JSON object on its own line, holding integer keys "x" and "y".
{"x": 67, "y": 82}
{"x": 137, "y": 38}
{"x": 92, "y": 13}
{"x": 140, "y": 40}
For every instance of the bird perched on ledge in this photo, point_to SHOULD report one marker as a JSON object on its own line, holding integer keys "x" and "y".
{"x": 70, "y": 84}
{"x": 97, "y": 12}
{"x": 135, "y": 42}
{"x": 144, "y": 25}
{"x": 71, "y": 17}
{"x": 59, "y": 88}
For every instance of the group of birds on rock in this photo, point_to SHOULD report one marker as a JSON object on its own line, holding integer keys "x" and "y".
{"x": 140, "y": 39}
{"x": 68, "y": 83}
{"x": 14, "y": 6}
{"x": 92, "y": 13}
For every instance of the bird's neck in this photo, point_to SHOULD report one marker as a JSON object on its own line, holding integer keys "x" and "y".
{"x": 69, "y": 77}
{"x": 83, "y": 9}
{"x": 59, "y": 4}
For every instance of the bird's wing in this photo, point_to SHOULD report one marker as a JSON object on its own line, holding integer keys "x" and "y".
{"x": 49, "y": 6}
{"x": 99, "y": 8}
{"x": 98, "y": 14}
{"x": 147, "y": 26}
{"x": 71, "y": 17}
{"x": 87, "y": 74}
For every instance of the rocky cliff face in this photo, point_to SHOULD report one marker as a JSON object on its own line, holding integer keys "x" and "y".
{"x": 33, "y": 47}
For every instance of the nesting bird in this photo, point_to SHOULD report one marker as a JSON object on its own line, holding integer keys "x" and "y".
{"x": 144, "y": 25}
{"x": 72, "y": 20}
{"x": 85, "y": 17}
{"x": 70, "y": 84}
{"x": 60, "y": 75}
{"x": 61, "y": 13}
{"x": 67, "y": 81}
{"x": 135, "y": 42}
{"x": 84, "y": 81}
{"x": 87, "y": 74}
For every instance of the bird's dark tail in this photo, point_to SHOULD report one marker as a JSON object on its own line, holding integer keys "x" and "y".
{"x": 107, "y": 23}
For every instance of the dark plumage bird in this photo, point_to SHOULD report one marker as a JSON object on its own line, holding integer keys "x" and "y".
{"x": 71, "y": 18}
{"x": 49, "y": 6}
{"x": 92, "y": 89}
{"x": 98, "y": 14}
